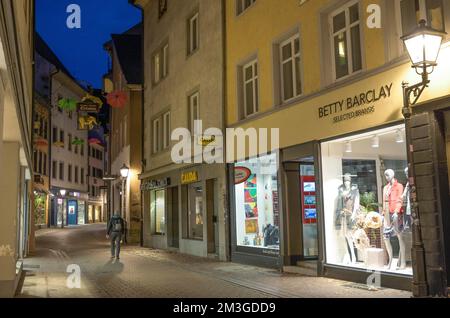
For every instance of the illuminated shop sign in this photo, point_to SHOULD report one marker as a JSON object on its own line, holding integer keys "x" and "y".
{"x": 154, "y": 184}
{"x": 189, "y": 177}
{"x": 355, "y": 106}
{"x": 241, "y": 174}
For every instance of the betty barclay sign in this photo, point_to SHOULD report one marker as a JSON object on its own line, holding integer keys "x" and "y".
{"x": 355, "y": 106}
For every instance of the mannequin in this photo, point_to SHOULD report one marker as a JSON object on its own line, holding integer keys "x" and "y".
{"x": 346, "y": 212}
{"x": 407, "y": 204}
{"x": 393, "y": 217}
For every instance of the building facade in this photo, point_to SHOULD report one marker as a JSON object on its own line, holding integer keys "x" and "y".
{"x": 16, "y": 130}
{"x": 125, "y": 135}
{"x": 69, "y": 156}
{"x": 184, "y": 203}
{"x": 97, "y": 190}
{"x": 333, "y": 196}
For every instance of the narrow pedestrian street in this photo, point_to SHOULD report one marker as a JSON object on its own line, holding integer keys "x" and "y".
{"x": 143, "y": 272}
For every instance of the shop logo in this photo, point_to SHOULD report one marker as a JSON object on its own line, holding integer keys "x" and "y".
{"x": 74, "y": 19}
{"x": 241, "y": 174}
{"x": 240, "y": 143}
{"x": 74, "y": 278}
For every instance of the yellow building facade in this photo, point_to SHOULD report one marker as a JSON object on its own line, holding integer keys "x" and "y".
{"x": 328, "y": 74}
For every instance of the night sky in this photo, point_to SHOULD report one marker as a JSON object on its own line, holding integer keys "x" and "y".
{"x": 81, "y": 50}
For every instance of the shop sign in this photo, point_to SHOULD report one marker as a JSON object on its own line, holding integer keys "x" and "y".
{"x": 352, "y": 107}
{"x": 88, "y": 107}
{"x": 154, "y": 184}
{"x": 207, "y": 140}
{"x": 241, "y": 174}
{"x": 189, "y": 177}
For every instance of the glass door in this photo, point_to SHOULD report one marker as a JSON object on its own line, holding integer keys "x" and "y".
{"x": 308, "y": 209}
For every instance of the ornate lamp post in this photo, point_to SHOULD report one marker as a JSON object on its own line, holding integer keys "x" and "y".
{"x": 62, "y": 192}
{"x": 423, "y": 45}
{"x": 124, "y": 171}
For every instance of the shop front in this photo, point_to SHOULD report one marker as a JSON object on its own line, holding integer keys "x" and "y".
{"x": 69, "y": 210}
{"x": 181, "y": 211}
{"x": 255, "y": 211}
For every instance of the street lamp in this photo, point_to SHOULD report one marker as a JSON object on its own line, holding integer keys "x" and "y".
{"x": 124, "y": 171}
{"x": 423, "y": 45}
{"x": 62, "y": 192}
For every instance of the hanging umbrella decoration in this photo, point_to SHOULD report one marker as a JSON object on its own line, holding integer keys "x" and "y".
{"x": 41, "y": 142}
{"x": 68, "y": 104}
{"x": 117, "y": 99}
{"x": 94, "y": 141}
{"x": 77, "y": 142}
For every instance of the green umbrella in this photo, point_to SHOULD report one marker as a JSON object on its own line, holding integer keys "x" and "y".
{"x": 68, "y": 104}
{"x": 77, "y": 142}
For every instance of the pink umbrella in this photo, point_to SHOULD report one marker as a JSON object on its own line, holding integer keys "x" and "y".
{"x": 117, "y": 99}
{"x": 94, "y": 141}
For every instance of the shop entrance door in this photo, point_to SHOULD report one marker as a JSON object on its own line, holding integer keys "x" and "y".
{"x": 72, "y": 212}
{"x": 174, "y": 226}
{"x": 308, "y": 209}
{"x": 211, "y": 214}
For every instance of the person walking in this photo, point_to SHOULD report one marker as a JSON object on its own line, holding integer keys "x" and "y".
{"x": 115, "y": 230}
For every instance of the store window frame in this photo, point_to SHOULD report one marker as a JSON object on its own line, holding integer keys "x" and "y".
{"x": 348, "y": 272}
{"x": 153, "y": 212}
{"x": 243, "y": 111}
{"x": 296, "y": 75}
{"x": 193, "y": 34}
{"x": 243, "y": 6}
{"x": 186, "y": 202}
{"x": 350, "y": 50}
{"x": 271, "y": 257}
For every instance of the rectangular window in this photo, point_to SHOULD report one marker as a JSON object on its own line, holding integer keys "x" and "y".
{"x": 250, "y": 88}
{"x": 156, "y": 135}
{"x": 82, "y": 176}
{"x": 162, "y": 8}
{"x": 35, "y": 161}
{"x": 61, "y": 171}
{"x": 61, "y": 137}
{"x": 76, "y": 174}
{"x": 55, "y": 135}
{"x": 346, "y": 40}
{"x": 158, "y": 224}
{"x": 366, "y": 203}
{"x": 165, "y": 61}
{"x": 44, "y": 164}
{"x": 69, "y": 146}
{"x": 193, "y": 34}
{"x": 256, "y": 204}
{"x": 412, "y": 11}
{"x": 243, "y": 5}
{"x": 45, "y": 129}
{"x": 156, "y": 68}
{"x": 166, "y": 130}
{"x": 69, "y": 173}
{"x": 194, "y": 110}
{"x": 194, "y": 211}
{"x": 82, "y": 147}
{"x": 54, "y": 172}
{"x": 290, "y": 68}
{"x": 40, "y": 162}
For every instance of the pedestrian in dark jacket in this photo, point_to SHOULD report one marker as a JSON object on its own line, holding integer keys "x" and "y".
{"x": 116, "y": 228}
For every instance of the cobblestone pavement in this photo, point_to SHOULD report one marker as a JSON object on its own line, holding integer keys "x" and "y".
{"x": 143, "y": 272}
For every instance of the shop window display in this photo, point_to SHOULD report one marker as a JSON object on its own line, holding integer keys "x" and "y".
{"x": 256, "y": 203}
{"x": 157, "y": 198}
{"x": 366, "y": 201}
